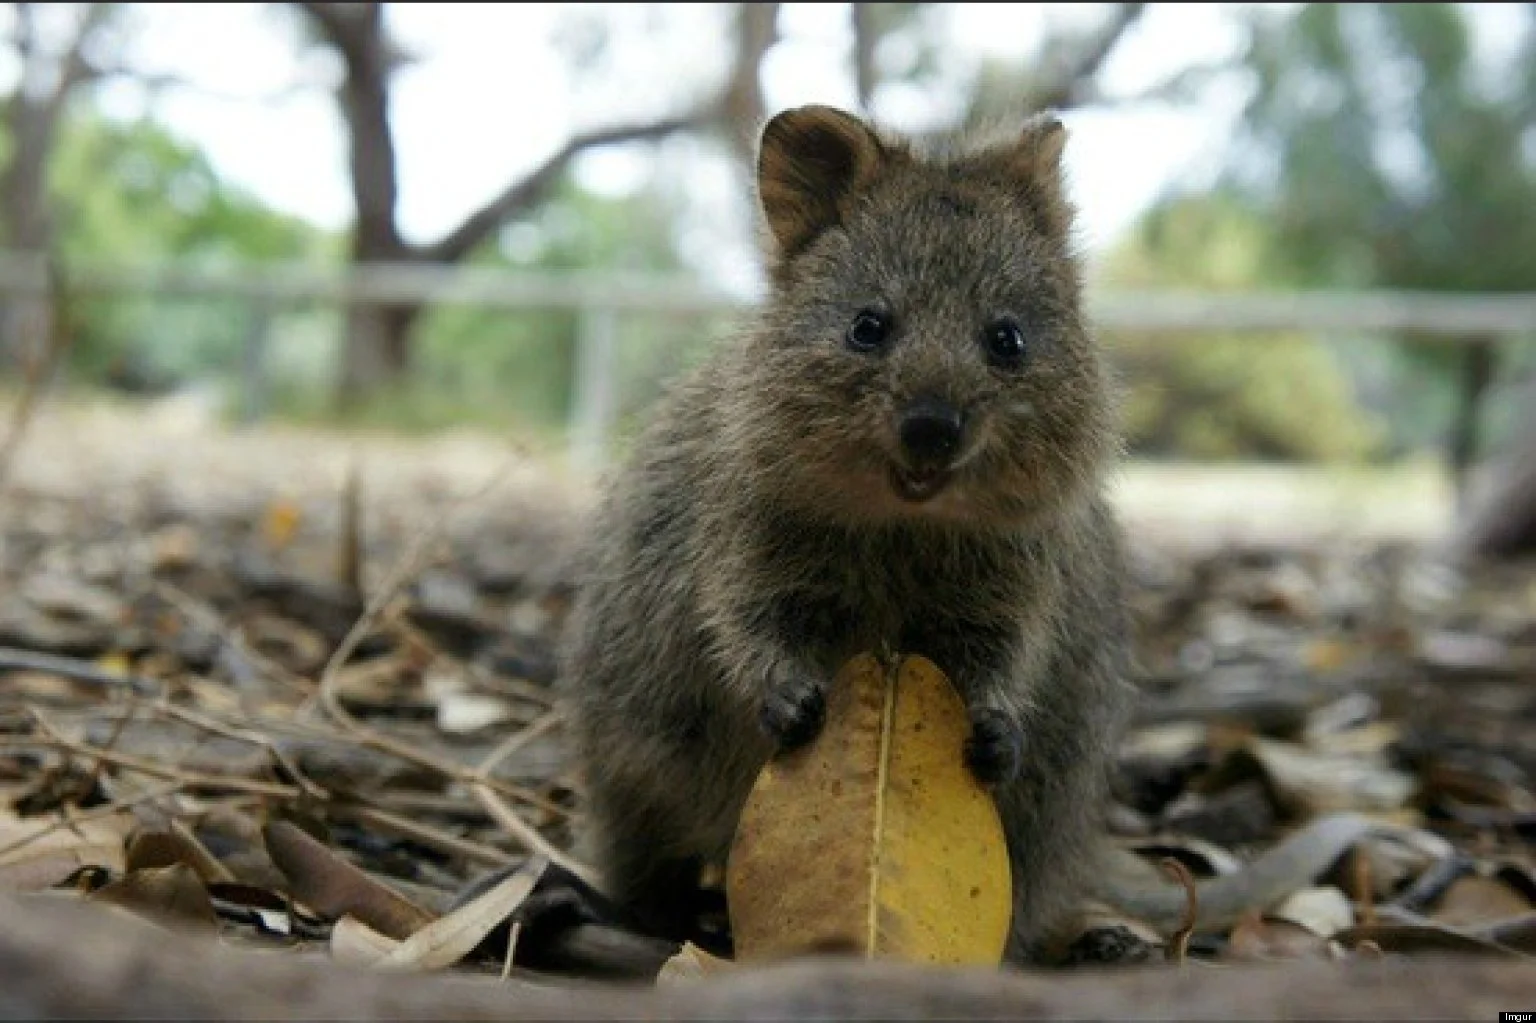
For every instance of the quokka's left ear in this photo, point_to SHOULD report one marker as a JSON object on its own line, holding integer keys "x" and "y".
{"x": 812, "y": 162}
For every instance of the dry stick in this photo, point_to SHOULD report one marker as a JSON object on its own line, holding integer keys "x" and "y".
{"x": 112, "y": 740}
{"x": 498, "y": 685}
{"x": 508, "y": 818}
{"x": 1178, "y": 946}
{"x": 516, "y": 741}
{"x": 197, "y": 720}
{"x": 96, "y": 812}
{"x": 426, "y": 835}
{"x": 12, "y": 659}
{"x": 521, "y": 793}
{"x": 39, "y": 370}
{"x": 1361, "y": 880}
{"x": 349, "y": 560}
{"x": 188, "y": 779}
{"x": 327, "y": 695}
{"x": 229, "y": 636}
{"x": 516, "y": 932}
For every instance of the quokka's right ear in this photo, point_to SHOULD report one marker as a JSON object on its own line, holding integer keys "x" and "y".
{"x": 812, "y": 162}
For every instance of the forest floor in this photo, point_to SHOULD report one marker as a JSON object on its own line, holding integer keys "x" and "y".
{"x": 228, "y": 676}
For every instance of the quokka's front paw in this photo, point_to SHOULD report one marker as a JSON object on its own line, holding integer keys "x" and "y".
{"x": 995, "y": 747}
{"x": 794, "y": 711}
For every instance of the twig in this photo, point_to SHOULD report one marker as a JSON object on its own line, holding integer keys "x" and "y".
{"x": 1360, "y": 878}
{"x": 327, "y": 695}
{"x": 229, "y": 636}
{"x": 96, "y": 812}
{"x": 39, "y": 370}
{"x": 330, "y": 701}
{"x": 207, "y": 724}
{"x": 425, "y": 834}
{"x": 186, "y": 779}
{"x": 515, "y": 932}
{"x": 112, "y": 740}
{"x": 1178, "y": 945}
{"x": 516, "y": 741}
{"x": 509, "y": 819}
{"x": 12, "y": 659}
{"x": 349, "y": 562}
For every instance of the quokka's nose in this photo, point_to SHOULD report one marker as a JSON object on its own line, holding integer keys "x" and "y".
{"x": 931, "y": 431}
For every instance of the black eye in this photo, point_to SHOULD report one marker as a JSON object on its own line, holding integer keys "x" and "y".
{"x": 1005, "y": 344}
{"x": 868, "y": 331}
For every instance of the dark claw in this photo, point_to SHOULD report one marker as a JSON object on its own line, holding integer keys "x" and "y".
{"x": 994, "y": 749}
{"x": 793, "y": 714}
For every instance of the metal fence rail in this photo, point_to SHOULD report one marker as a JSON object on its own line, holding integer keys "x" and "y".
{"x": 599, "y": 298}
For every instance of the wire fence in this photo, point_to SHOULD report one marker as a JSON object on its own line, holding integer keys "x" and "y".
{"x": 600, "y": 300}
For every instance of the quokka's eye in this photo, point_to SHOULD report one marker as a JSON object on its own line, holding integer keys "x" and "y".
{"x": 1005, "y": 344}
{"x": 868, "y": 332}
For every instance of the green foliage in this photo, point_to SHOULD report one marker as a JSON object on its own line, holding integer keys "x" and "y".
{"x": 521, "y": 367}
{"x": 133, "y": 193}
{"x": 1391, "y": 151}
{"x": 1385, "y": 155}
{"x": 1225, "y": 397}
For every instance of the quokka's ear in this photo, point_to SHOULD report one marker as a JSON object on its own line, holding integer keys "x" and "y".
{"x": 1030, "y": 165}
{"x": 811, "y": 163}
{"x": 1039, "y": 147}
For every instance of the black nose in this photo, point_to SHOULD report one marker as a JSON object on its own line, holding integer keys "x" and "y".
{"x": 931, "y": 431}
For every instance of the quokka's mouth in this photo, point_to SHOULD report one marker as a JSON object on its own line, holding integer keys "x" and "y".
{"x": 918, "y": 485}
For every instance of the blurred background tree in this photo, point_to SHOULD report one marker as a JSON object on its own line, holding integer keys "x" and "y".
{"x": 131, "y": 192}
{"x": 1215, "y": 397}
{"x": 1371, "y": 146}
{"x": 1389, "y": 153}
{"x": 57, "y": 49}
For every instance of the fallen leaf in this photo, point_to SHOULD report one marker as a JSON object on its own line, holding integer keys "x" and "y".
{"x": 354, "y": 943}
{"x": 173, "y": 896}
{"x": 332, "y": 887}
{"x": 450, "y": 938}
{"x": 461, "y": 713}
{"x": 1317, "y": 783}
{"x": 280, "y": 521}
{"x": 260, "y": 907}
{"x": 1128, "y": 883}
{"x": 1328, "y": 655}
{"x": 875, "y": 839}
{"x": 1423, "y": 937}
{"x": 1476, "y": 900}
{"x": 36, "y": 854}
{"x": 1324, "y": 910}
{"x": 178, "y": 845}
{"x": 1256, "y": 939}
{"x": 691, "y": 964}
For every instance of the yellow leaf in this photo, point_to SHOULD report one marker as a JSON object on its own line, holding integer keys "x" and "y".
{"x": 875, "y": 839}
{"x": 1328, "y": 655}
{"x": 116, "y": 663}
{"x": 280, "y": 522}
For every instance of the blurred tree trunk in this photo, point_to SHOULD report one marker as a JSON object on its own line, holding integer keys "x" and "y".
{"x": 32, "y": 115}
{"x": 1479, "y": 363}
{"x": 377, "y": 349}
{"x": 1062, "y": 74}
{"x": 1500, "y": 522}
{"x": 865, "y": 36}
{"x": 743, "y": 106}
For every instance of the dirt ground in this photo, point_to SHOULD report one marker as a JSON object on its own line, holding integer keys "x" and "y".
{"x": 239, "y": 691}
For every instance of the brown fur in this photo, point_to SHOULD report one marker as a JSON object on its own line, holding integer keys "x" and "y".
{"x": 755, "y": 539}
